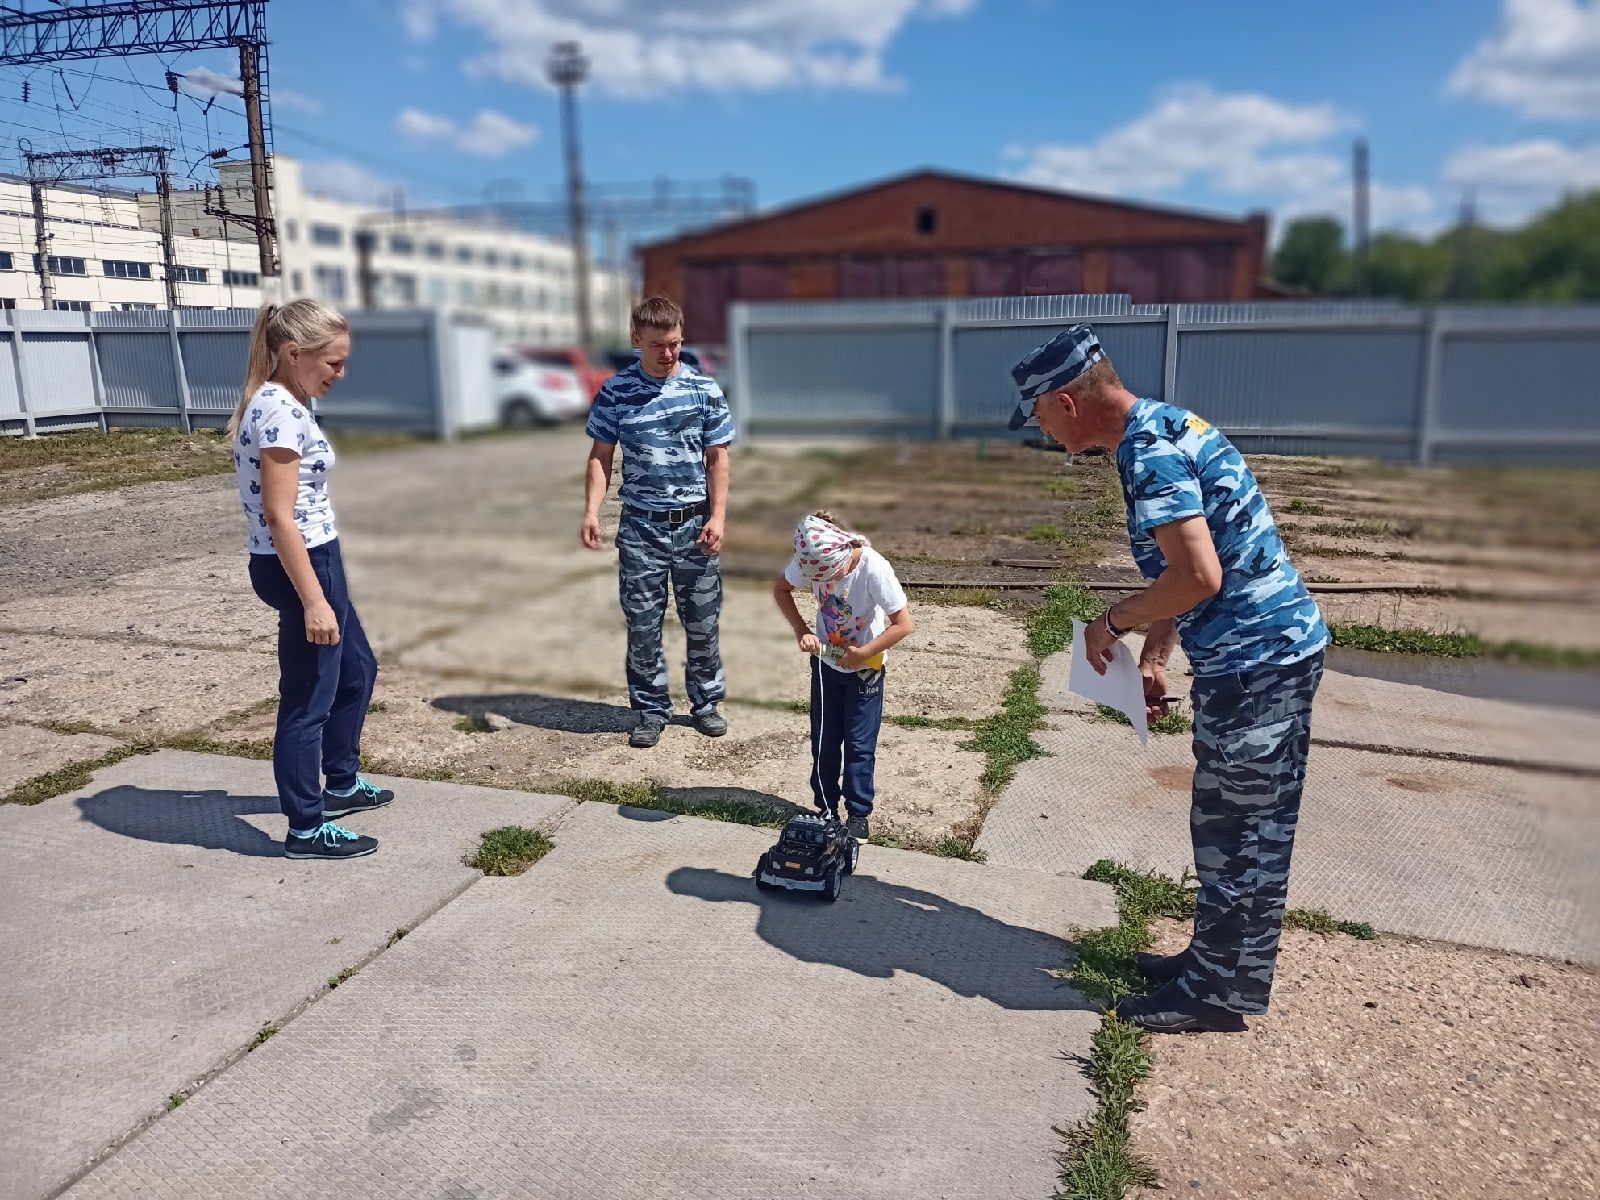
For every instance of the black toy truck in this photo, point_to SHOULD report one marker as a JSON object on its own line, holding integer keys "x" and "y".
{"x": 814, "y": 854}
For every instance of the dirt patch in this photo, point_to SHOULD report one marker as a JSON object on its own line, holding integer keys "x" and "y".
{"x": 1386, "y": 1069}
{"x": 1179, "y": 779}
{"x": 1426, "y": 784}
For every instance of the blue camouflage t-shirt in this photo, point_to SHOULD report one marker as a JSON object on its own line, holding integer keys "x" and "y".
{"x": 1174, "y": 465}
{"x": 663, "y": 427}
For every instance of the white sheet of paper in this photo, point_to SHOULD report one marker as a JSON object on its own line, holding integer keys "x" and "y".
{"x": 1121, "y": 687}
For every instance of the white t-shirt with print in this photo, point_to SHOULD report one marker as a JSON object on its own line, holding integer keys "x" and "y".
{"x": 853, "y": 610}
{"x": 275, "y": 420}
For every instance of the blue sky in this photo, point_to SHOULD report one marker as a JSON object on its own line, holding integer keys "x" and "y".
{"x": 1228, "y": 106}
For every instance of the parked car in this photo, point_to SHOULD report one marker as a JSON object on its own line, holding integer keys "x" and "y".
{"x": 591, "y": 373}
{"x": 533, "y": 393}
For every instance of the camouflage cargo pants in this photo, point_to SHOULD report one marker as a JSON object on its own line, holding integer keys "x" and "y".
{"x": 653, "y": 554}
{"x": 1252, "y": 732}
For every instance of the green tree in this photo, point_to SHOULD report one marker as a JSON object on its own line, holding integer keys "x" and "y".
{"x": 1555, "y": 257}
{"x": 1312, "y": 256}
{"x": 1406, "y": 267}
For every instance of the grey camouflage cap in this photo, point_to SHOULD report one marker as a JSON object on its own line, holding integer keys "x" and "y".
{"x": 1052, "y": 366}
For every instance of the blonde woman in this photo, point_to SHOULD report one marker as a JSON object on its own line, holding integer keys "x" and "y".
{"x": 326, "y": 668}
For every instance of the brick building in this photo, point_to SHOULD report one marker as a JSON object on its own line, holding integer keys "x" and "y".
{"x": 932, "y": 234}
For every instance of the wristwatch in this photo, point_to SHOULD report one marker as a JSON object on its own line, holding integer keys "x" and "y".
{"x": 1111, "y": 628}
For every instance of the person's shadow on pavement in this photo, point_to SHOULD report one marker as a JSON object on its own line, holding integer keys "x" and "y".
{"x": 211, "y": 820}
{"x": 878, "y": 928}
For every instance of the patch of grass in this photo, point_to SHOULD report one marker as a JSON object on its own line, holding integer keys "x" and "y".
{"x": 1316, "y": 920}
{"x": 69, "y": 728}
{"x": 509, "y": 850}
{"x": 1047, "y": 534}
{"x": 473, "y": 723}
{"x": 800, "y": 707}
{"x": 956, "y": 847}
{"x": 71, "y": 777}
{"x": 203, "y": 743}
{"x": 261, "y": 1038}
{"x": 1062, "y": 489}
{"x": 971, "y": 529}
{"x": 1173, "y": 722}
{"x": 949, "y": 846}
{"x": 395, "y": 937}
{"x": 1006, "y": 739}
{"x": 973, "y": 597}
{"x": 1050, "y": 627}
{"x": 916, "y": 722}
{"x": 175, "y": 1100}
{"x": 343, "y": 976}
{"x": 66, "y": 464}
{"x": 648, "y": 795}
{"x": 1355, "y": 529}
{"x": 377, "y": 706}
{"x": 1534, "y": 655}
{"x": 1097, "y": 1159}
{"x": 1305, "y": 508}
{"x": 1323, "y": 550}
{"x": 1406, "y": 641}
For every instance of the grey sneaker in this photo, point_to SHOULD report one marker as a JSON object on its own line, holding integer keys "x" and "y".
{"x": 857, "y": 825}
{"x": 711, "y": 723}
{"x": 646, "y": 734}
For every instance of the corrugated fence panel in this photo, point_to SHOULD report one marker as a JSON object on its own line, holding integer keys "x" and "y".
{"x": 1359, "y": 383}
{"x": 10, "y": 399}
{"x": 136, "y": 369}
{"x": 214, "y": 361}
{"x": 392, "y": 380}
{"x": 844, "y": 381}
{"x": 985, "y": 394}
{"x": 57, "y": 369}
{"x": 1511, "y": 383}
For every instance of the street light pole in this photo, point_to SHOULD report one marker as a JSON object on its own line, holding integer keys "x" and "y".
{"x": 568, "y": 68}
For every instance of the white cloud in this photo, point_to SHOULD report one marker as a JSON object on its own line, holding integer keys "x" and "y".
{"x": 640, "y": 48}
{"x": 296, "y": 101}
{"x": 1542, "y": 61}
{"x": 1240, "y": 144}
{"x": 205, "y": 83}
{"x": 341, "y": 180}
{"x": 1512, "y": 182}
{"x": 490, "y": 134}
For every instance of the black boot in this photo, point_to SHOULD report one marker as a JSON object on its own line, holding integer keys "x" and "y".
{"x": 1172, "y": 1010}
{"x": 1161, "y": 968}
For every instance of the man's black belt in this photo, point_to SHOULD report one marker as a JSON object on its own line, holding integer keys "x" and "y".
{"x": 673, "y": 516}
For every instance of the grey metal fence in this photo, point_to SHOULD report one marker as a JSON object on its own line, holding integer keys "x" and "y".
{"x": 413, "y": 371}
{"x": 1445, "y": 384}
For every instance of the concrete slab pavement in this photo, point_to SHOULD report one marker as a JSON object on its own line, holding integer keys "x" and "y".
{"x": 152, "y": 927}
{"x": 633, "y": 1019}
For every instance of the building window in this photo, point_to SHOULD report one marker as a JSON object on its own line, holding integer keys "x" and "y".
{"x": 927, "y": 220}
{"x": 327, "y": 235}
{"x": 6, "y": 302}
{"x": 330, "y": 282}
{"x": 6, "y": 263}
{"x": 438, "y": 292}
{"x": 405, "y": 289}
{"x": 71, "y": 305}
{"x": 190, "y": 274}
{"x": 401, "y": 243}
{"x": 60, "y": 265}
{"x": 133, "y": 307}
{"x": 435, "y": 251}
{"x": 297, "y": 281}
{"x": 241, "y": 279}
{"x": 116, "y": 268}
{"x": 291, "y": 231}
{"x": 516, "y": 262}
{"x": 463, "y": 254}
{"x": 464, "y": 292}
{"x": 491, "y": 259}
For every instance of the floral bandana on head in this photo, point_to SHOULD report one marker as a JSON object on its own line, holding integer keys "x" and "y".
{"x": 822, "y": 550}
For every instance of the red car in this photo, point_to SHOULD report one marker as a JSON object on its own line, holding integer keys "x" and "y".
{"x": 590, "y": 373}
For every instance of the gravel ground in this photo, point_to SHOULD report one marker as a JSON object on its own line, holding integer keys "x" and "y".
{"x": 1387, "y": 1070}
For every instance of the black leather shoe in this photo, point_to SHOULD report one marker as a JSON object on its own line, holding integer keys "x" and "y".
{"x": 645, "y": 734}
{"x": 1172, "y": 1010}
{"x": 711, "y": 723}
{"x": 1161, "y": 968}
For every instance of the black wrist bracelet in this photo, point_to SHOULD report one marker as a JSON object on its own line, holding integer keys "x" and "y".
{"x": 1110, "y": 627}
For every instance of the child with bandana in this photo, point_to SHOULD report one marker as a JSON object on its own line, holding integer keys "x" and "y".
{"x": 861, "y": 613}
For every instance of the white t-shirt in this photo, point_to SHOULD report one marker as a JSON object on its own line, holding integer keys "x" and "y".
{"x": 275, "y": 420}
{"x": 853, "y": 610}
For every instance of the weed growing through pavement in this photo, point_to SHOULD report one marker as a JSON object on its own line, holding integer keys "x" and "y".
{"x": 509, "y": 850}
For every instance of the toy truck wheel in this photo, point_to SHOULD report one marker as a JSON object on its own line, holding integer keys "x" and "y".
{"x": 763, "y": 885}
{"x": 852, "y": 857}
{"x": 831, "y": 884}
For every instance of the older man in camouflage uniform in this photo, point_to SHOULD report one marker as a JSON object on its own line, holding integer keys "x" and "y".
{"x": 1223, "y": 583}
{"x": 674, "y": 428}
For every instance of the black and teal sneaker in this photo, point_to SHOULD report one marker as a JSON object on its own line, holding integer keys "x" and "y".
{"x": 367, "y": 795}
{"x": 329, "y": 841}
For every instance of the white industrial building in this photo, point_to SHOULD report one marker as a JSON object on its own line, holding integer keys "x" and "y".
{"x": 105, "y": 252}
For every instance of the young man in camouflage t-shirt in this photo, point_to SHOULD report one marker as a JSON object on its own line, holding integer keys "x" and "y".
{"x": 674, "y": 428}
{"x": 1223, "y": 583}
